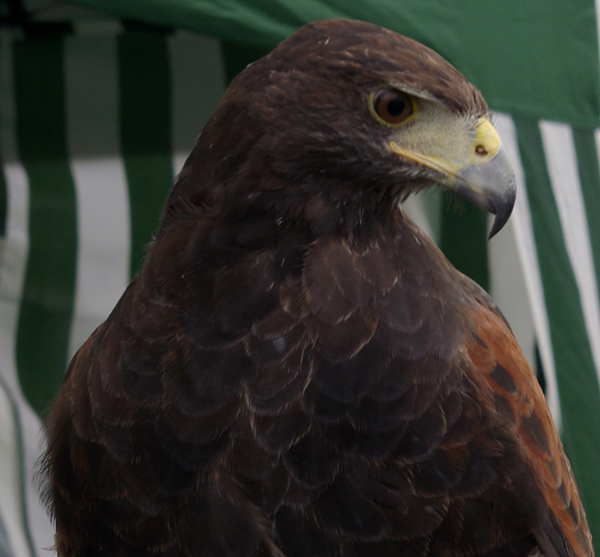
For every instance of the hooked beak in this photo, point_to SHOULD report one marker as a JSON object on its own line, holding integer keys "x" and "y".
{"x": 485, "y": 178}
{"x": 491, "y": 187}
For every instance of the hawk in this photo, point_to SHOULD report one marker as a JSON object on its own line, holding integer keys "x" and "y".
{"x": 297, "y": 370}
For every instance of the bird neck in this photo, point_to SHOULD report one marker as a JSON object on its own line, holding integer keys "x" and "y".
{"x": 355, "y": 212}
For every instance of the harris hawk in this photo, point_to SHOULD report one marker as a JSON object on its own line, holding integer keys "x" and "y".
{"x": 297, "y": 371}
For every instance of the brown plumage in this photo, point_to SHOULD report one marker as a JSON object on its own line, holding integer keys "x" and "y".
{"x": 297, "y": 370}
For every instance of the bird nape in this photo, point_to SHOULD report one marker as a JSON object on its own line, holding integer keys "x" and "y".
{"x": 297, "y": 370}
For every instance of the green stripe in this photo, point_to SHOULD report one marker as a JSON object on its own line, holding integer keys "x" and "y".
{"x": 145, "y": 121}
{"x": 47, "y": 301}
{"x": 589, "y": 175}
{"x": 576, "y": 375}
{"x": 464, "y": 238}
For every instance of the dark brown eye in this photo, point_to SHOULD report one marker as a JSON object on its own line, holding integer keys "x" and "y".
{"x": 392, "y": 106}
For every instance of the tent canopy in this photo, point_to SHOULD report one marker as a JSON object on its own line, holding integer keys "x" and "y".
{"x": 524, "y": 60}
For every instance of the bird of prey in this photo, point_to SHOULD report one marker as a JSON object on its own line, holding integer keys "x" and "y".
{"x": 297, "y": 371}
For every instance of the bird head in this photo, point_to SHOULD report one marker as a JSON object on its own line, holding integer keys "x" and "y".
{"x": 354, "y": 110}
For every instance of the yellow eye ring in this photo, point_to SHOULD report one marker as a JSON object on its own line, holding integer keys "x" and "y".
{"x": 392, "y": 106}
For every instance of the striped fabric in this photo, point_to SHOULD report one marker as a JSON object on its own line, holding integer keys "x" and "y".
{"x": 86, "y": 174}
{"x": 93, "y": 127}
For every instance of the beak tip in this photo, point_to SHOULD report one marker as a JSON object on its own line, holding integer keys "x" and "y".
{"x": 502, "y": 207}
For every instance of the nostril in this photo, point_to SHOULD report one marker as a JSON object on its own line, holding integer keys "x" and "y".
{"x": 481, "y": 150}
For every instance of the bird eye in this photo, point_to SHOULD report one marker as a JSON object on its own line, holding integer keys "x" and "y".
{"x": 392, "y": 106}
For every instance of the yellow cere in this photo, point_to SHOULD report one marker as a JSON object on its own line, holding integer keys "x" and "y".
{"x": 487, "y": 137}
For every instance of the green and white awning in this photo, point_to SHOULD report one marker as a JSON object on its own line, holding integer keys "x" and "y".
{"x": 95, "y": 123}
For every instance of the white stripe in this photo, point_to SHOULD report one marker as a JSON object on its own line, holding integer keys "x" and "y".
{"x": 521, "y": 221}
{"x": 423, "y": 210}
{"x": 198, "y": 82}
{"x": 103, "y": 220}
{"x": 509, "y": 289}
{"x": 12, "y": 274}
{"x": 561, "y": 161}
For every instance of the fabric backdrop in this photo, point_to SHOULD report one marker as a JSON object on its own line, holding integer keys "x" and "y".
{"x": 98, "y": 115}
